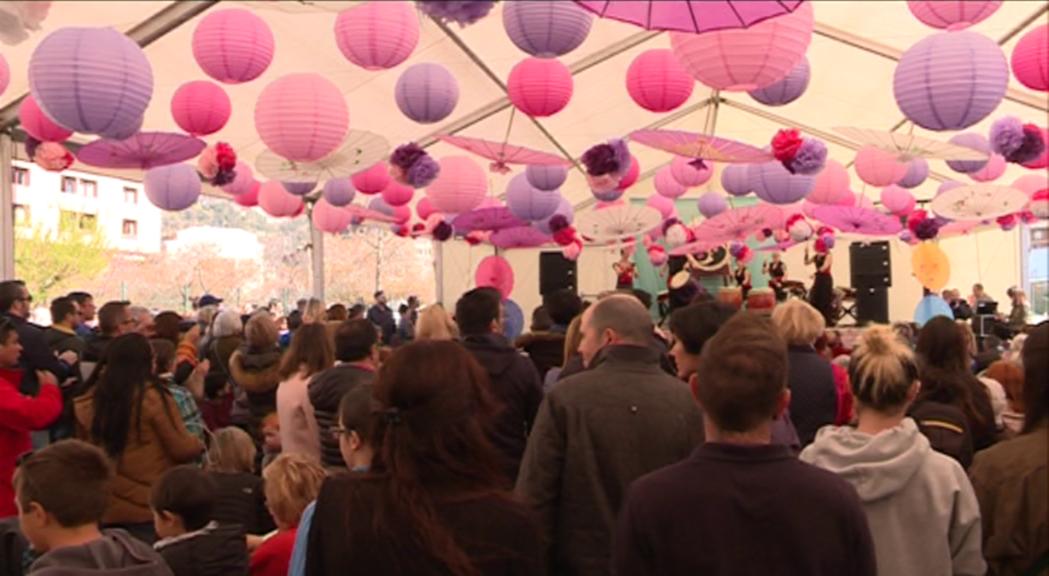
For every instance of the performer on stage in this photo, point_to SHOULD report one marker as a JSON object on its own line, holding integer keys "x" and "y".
{"x": 742, "y": 277}
{"x": 776, "y": 271}
{"x": 822, "y": 294}
{"x": 625, "y": 271}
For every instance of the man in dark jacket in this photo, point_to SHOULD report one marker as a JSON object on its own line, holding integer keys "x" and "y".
{"x": 381, "y": 315}
{"x": 36, "y": 355}
{"x": 514, "y": 381}
{"x": 600, "y": 430}
{"x": 357, "y": 353}
{"x": 739, "y": 504}
{"x": 61, "y": 336}
{"x": 114, "y": 319}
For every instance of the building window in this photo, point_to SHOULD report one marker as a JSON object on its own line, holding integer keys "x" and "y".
{"x": 22, "y": 215}
{"x": 19, "y": 176}
{"x": 88, "y": 222}
{"x": 130, "y": 196}
{"x": 129, "y": 229}
{"x": 89, "y": 188}
{"x": 68, "y": 185}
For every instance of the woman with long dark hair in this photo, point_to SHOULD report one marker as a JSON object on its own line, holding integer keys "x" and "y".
{"x": 433, "y": 502}
{"x": 128, "y": 413}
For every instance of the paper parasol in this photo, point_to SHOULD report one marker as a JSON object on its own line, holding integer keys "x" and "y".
{"x": 142, "y": 151}
{"x": 778, "y": 246}
{"x": 696, "y": 247}
{"x": 693, "y": 16}
{"x": 857, "y": 220}
{"x": 518, "y": 237}
{"x": 959, "y": 228}
{"x": 361, "y": 213}
{"x": 501, "y": 153}
{"x": 617, "y": 222}
{"x": 692, "y": 145}
{"x": 909, "y": 146}
{"x": 486, "y": 219}
{"x": 738, "y": 223}
{"x": 979, "y": 202}
{"x": 359, "y": 151}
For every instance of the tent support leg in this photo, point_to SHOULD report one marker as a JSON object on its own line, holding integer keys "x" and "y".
{"x": 7, "y": 210}
{"x": 438, "y": 270}
{"x": 317, "y": 261}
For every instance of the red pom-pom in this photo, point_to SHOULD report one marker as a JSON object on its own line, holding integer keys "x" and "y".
{"x": 565, "y": 236}
{"x": 225, "y": 157}
{"x": 785, "y": 144}
{"x": 442, "y": 232}
{"x": 915, "y": 218}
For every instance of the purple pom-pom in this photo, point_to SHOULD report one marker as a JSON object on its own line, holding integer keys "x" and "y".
{"x": 1032, "y": 148}
{"x": 557, "y": 223}
{"x": 406, "y": 154}
{"x": 828, "y": 241}
{"x": 1007, "y": 136}
{"x": 442, "y": 231}
{"x": 600, "y": 160}
{"x": 30, "y": 145}
{"x": 810, "y": 158}
{"x": 223, "y": 177}
{"x": 462, "y": 12}
{"x": 423, "y": 171}
{"x": 927, "y": 229}
{"x": 622, "y": 156}
{"x": 735, "y": 249}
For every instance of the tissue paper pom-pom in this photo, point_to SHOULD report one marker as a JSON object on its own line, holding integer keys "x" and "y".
{"x": 52, "y": 156}
{"x": 557, "y": 223}
{"x": 1007, "y": 222}
{"x": 600, "y": 160}
{"x": 800, "y": 231}
{"x": 621, "y": 153}
{"x": 571, "y": 251}
{"x": 423, "y": 172}
{"x": 565, "y": 236}
{"x": 810, "y": 157}
{"x": 926, "y": 229}
{"x": 462, "y": 12}
{"x": 1019, "y": 143}
{"x": 657, "y": 255}
{"x": 442, "y": 231}
{"x": 828, "y": 241}
{"x": 605, "y": 184}
{"x": 736, "y": 248}
{"x": 406, "y": 154}
{"x": 785, "y": 144}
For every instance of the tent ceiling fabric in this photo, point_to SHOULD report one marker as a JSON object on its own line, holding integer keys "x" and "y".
{"x": 852, "y": 59}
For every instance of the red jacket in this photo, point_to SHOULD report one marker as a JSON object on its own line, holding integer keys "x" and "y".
{"x": 272, "y": 558}
{"x": 844, "y": 392}
{"x": 19, "y": 415}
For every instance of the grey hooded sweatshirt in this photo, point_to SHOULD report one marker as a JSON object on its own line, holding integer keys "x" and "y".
{"x": 116, "y": 553}
{"x": 923, "y": 514}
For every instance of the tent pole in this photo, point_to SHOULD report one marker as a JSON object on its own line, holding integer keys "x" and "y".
{"x": 7, "y": 210}
{"x": 438, "y": 269}
{"x": 317, "y": 261}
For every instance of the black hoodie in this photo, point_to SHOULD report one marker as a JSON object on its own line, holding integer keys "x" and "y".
{"x": 215, "y": 550}
{"x": 515, "y": 384}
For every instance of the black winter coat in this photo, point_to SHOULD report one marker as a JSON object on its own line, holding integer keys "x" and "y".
{"x": 813, "y": 397}
{"x": 217, "y": 550}
{"x": 326, "y": 391}
{"x": 241, "y": 501}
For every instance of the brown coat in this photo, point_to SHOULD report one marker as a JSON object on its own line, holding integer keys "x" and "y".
{"x": 254, "y": 381}
{"x": 164, "y": 442}
{"x": 1012, "y": 485}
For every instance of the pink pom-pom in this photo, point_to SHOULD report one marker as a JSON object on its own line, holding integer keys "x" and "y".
{"x": 571, "y": 251}
{"x": 52, "y": 156}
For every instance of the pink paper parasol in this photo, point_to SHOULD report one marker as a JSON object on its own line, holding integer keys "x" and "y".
{"x": 693, "y": 16}
{"x": 617, "y": 222}
{"x": 361, "y": 213}
{"x": 858, "y": 220}
{"x": 959, "y": 228}
{"x": 738, "y": 223}
{"x": 496, "y": 218}
{"x": 693, "y": 145}
{"x": 501, "y": 153}
{"x": 906, "y": 146}
{"x": 144, "y": 150}
{"x": 696, "y": 247}
{"x": 779, "y": 246}
{"x": 518, "y": 237}
{"x": 979, "y": 202}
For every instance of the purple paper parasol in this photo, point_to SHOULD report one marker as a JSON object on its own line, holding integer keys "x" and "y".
{"x": 487, "y": 219}
{"x": 693, "y": 16}
{"x": 693, "y": 145}
{"x": 501, "y": 153}
{"x": 144, "y": 150}
{"x": 518, "y": 237}
{"x": 361, "y": 213}
{"x": 738, "y": 223}
{"x": 858, "y": 220}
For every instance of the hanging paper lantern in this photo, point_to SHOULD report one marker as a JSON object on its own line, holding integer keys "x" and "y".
{"x": 338, "y": 192}
{"x": 666, "y": 185}
{"x": 787, "y": 90}
{"x": 302, "y": 117}
{"x": 5, "y": 74}
{"x": 950, "y": 80}
{"x": 529, "y": 203}
{"x": 994, "y": 168}
{"x": 377, "y": 35}
{"x": 546, "y": 28}
{"x": 328, "y": 218}
{"x": 539, "y": 87}
{"x": 952, "y": 14}
{"x": 243, "y": 180}
{"x": 233, "y": 46}
{"x": 969, "y": 140}
{"x": 1030, "y": 60}
{"x": 37, "y": 124}
{"x": 565, "y": 214}
{"x": 426, "y": 93}
{"x": 897, "y": 200}
{"x": 877, "y": 167}
{"x": 299, "y": 188}
{"x": 92, "y": 80}
{"x": 251, "y": 197}
{"x": 735, "y": 180}
{"x": 745, "y": 59}
{"x": 173, "y": 187}
{"x": 657, "y": 82}
{"x": 831, "y": 185}
{"x": 424, "y": 209}
{"x": 689, "y": 175}
{"x": 1031, "y": 183}
{"x": 277, "y": 202}
{"x": 664, "y": 205}
{"x": 397, "y": 194}
{"x": 495, "y": 272}
{"x": 774, "y": 184}
{"x": 460, "y": 187}
{"x": 200, "y": 107}
{"x": 711, "y": 204}
{"x": 546, "y": 177}
{"x": 917, "y": 172}
{"x": 631, "y": 175}
{"x": 373, "y": 180}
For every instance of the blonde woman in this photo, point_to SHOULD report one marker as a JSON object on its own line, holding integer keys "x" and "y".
{"x": 292, "y": 482}
{"x": 240, "y": 498}
{"x": 922, "y": 511}
{"x": 436, "y": 324}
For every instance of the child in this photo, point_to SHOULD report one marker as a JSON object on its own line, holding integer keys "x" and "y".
{"x": 62, "y": 492}
{"x": 271, "y": 447}
{"x": 192, "y": 543}
{"x": 240, "y": 498}
{"x": 292, "y": 482}
{"x": 19, "y": 415}
{"x": 186, "y": 396}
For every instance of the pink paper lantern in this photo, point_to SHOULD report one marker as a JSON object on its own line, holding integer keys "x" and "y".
{"x": 1030, "y": 60}
{"x": 540, "y": 87}
{"x": 251, "y": 197}
{"x": 495, "y": 272}
{"x": 400, "y": 214}
{"x": 37, "y": 124}
{"x": 278, "y": 202}
{"x": 377, "y": 35}
{"x": 397, "y": 194}
{"x": 5, "y": 74}
{"x": 667, "y": 185}
{"x": 952, "y": 14}
{"x": 200, "y": 107}
{"x": 897, "y": 200}
{"x": 878, "y": 167}
{"x": 688, "y": 175}
{"x": 744, "y": 59}
{"x": 302, "y": 117}
{"x": 328, "y": 218}
{"x": 631, "y": 175}
{"x": 657, "y": 82}
{"x": 994, "y": 168}
{"x": 1043, "y": 160}
{"x": 831, "y": 186}
{"x": 233, "y": 46}
{"x": 243, "y": 182}
{"x": 460, "y": 187}
{"x": 373, "y": 180}
{"x": 1031, "y": 183}
{"x": 664, "y": 205}
{"x": 424, "y": 209}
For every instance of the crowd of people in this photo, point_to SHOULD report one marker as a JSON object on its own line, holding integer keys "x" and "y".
{"x": 357, "y": 441}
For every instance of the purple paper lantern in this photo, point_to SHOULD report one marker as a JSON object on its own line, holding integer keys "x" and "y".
{"x": 92, "y": 80}
{"x": 233, "y": 46}
{"x": 546, "y": 177}
{"x": 299, "y": 188}
{"x": 711, "y": 204}
{"x": 546, "y": 28}
{"x": 564, "y": 208}
{"x": 427, "y": 93}
{"x": 687, "y": 175}
{"x": 666, "y": 185}
{"x": 735, "y": 180}
{"x": 786, "y": 90}
{"x": 339, "y": 192}
{"x": 951, "y": 80}
{"x": 976, "y": 142}
{"x": 529, "y": 203}
{"x": 173, "y": 187}
{"x": 917, "y": 172}
{"x": 776, "y": 185}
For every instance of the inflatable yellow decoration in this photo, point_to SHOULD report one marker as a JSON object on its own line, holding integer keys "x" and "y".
{"x": 930, "y": 266}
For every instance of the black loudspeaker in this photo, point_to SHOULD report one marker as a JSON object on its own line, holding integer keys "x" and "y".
{"x": 872, "y": 306}
{"x": 870, "y": 265}
{"x": 556, "y": 273}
